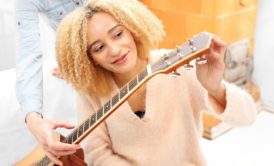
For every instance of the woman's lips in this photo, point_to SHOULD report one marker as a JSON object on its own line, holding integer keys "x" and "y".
{"x": 120, "y": 60}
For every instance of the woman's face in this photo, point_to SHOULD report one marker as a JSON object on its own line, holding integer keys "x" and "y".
{"x": 110, "y": 44}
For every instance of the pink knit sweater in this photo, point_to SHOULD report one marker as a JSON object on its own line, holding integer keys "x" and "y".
{"x": 169, "y": 132}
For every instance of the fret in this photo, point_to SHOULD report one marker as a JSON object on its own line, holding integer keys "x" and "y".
{"x": 149, "y": 70}
{"x": 69, "y": 139}
{"x": 123, "y": 92}
{"x": 156, "y": 67}
{"x": 80, "y": 131}
{"x": 74, "y": 136}
{"x": 92, "y": 120}
{"x": 107, "y": 107}
{"x": 132, "y": 83}
{"x": 86, "y": 125}
{"x": 142, "y": 75}
{"x": 65, "y": 140}
{"x": 95, "y": 116}
{"x": 115, "y": 100}
{"x": 99, "y": 113}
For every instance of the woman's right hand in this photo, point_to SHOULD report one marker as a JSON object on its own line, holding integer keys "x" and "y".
{"x": 43, "y": 130}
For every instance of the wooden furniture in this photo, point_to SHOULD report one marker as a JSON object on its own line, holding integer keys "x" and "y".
{"x": 214, "y": 127}
{"x": 232, "y": 20}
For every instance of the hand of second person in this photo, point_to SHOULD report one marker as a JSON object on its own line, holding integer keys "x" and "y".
{"x": 43, "y": 130}
{"x": 56, "y": 72}
{"x": 211, "y": 73}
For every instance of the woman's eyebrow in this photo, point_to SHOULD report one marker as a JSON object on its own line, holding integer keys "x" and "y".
{"x": 109, "y": 31}
{"x": 113, "y": 28}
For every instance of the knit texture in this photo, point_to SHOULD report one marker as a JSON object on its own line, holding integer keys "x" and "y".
{"x": 170, "y": 131}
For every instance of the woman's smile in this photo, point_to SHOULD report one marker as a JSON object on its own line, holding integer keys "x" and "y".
{"x": 121, "y": 59}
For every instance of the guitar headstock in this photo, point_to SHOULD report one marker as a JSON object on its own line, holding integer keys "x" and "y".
{"x": 194, "y": 48}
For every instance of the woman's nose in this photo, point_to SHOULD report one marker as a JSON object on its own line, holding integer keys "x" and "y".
{"x": 114, "y": 49}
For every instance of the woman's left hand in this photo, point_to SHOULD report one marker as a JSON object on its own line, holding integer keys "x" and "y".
{"x": 211, "y": 73}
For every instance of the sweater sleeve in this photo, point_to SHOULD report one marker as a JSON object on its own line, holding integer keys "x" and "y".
{"x": 97, "y": 145}
{"x": 240, "y": 108}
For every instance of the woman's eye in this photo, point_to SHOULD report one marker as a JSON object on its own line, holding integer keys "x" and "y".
{"x": 119, "y": 34}
{"x": 98, "y": 48}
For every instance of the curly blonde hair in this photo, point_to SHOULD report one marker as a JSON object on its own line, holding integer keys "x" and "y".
{"x": 74, "y": 61}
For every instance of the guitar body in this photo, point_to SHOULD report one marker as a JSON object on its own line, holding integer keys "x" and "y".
{"x": 37, "y": 154}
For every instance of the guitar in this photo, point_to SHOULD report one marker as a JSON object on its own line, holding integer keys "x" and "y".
{"x": 194, "y": 48}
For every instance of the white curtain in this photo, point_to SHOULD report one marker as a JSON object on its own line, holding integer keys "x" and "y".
{"x": 264, "y": 51}
{"x": 8, "y": 36}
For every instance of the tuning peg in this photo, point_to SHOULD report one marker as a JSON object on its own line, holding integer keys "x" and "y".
{"x": 165, "y": 56}
{"x": 190, "y": 41}
{"x": 181, "y": 55}
{"x": 188, "y": 66}
{"x": 193, "y": 49}
{"x": 175, "y": 73}
{"x": 201, "y": 60}
{"x": 178, "y": 48}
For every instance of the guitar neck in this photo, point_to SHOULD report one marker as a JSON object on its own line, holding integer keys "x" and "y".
{"x": 108, "y": 108}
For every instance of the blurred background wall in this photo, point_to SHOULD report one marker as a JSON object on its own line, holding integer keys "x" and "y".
{"x": 264, "y": 52}
{"x": 8, "y": 36}
{"x": 233, "y": 20}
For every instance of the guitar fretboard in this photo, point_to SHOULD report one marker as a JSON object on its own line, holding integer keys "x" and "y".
{"x": 99, "y": 114}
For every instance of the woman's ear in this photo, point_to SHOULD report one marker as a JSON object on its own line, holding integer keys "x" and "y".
{"x": 95, "y": 63}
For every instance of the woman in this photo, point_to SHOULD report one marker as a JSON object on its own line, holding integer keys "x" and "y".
{"x": 102, "y": 47}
